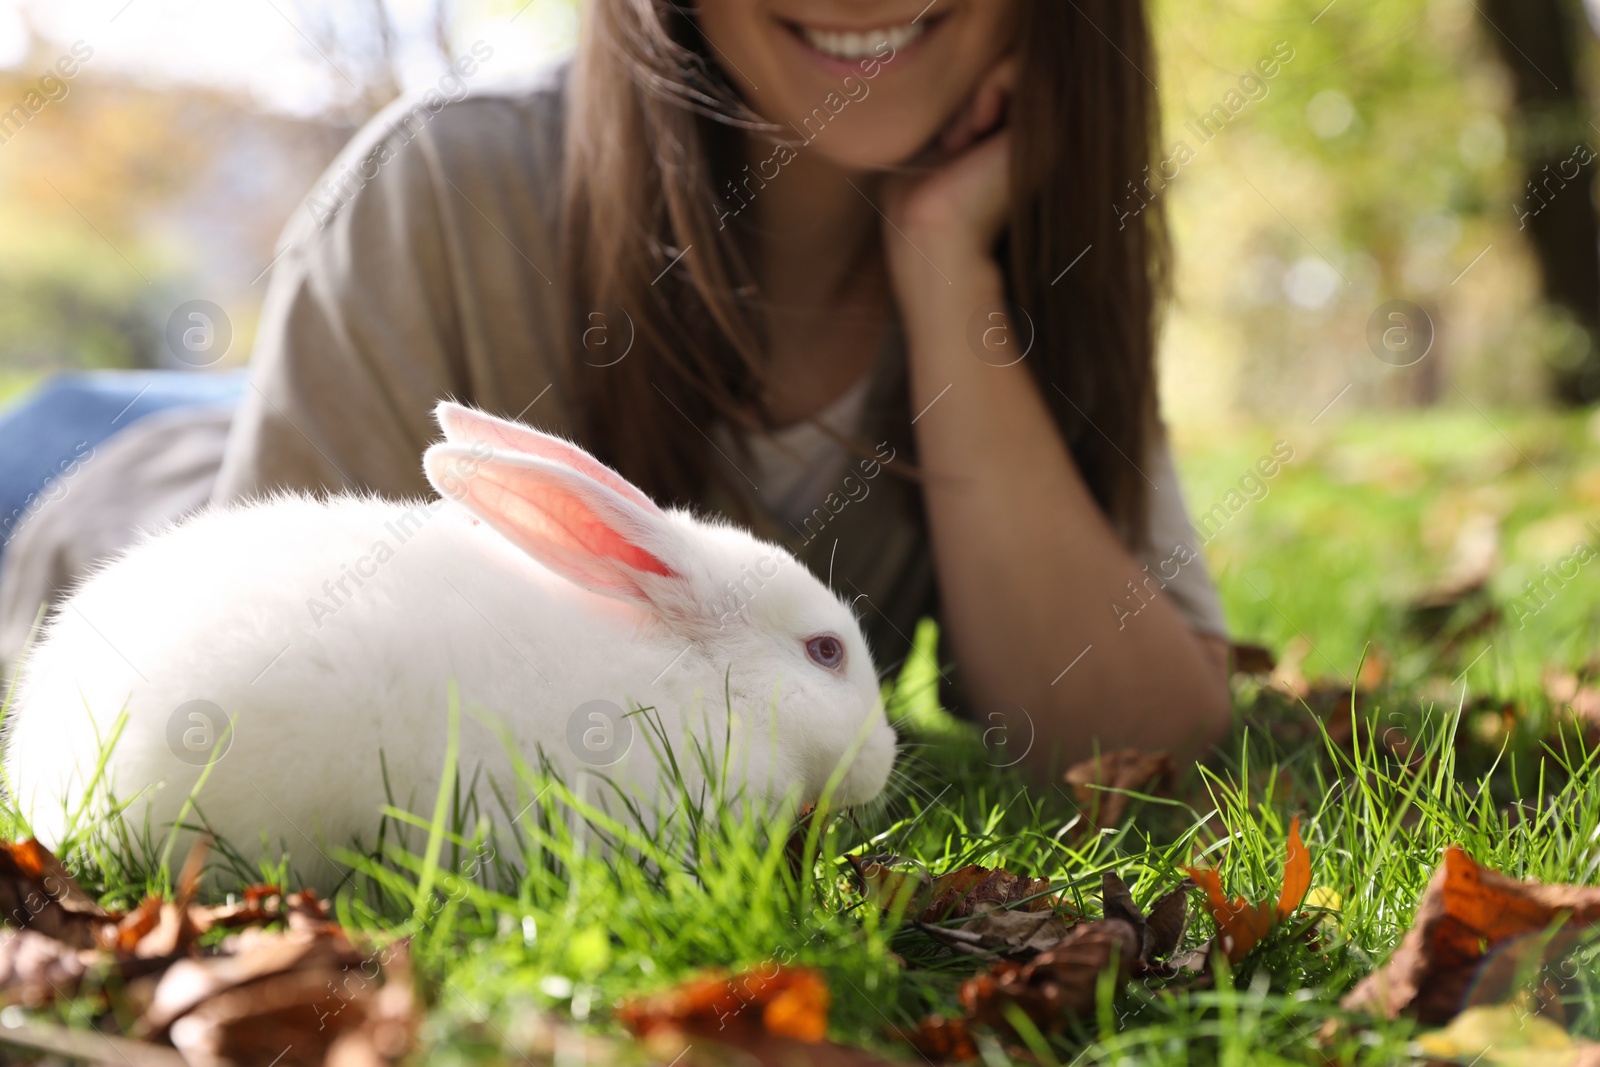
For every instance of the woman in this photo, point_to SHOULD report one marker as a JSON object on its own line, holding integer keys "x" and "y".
{"x": 848, "y": 271}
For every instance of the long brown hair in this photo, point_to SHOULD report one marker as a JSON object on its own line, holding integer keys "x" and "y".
{"x": 653, "y": 130}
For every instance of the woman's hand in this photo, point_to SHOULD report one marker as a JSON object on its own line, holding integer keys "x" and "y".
{"x": 955, "y": 214}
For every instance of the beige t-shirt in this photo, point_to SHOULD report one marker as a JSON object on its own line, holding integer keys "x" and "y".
{"x": 424, "y": 265}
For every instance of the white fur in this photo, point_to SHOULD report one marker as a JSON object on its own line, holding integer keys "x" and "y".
{"x": 223, "y": 608}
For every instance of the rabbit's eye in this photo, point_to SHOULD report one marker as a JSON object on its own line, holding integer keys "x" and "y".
{"x": 826, "y": 651}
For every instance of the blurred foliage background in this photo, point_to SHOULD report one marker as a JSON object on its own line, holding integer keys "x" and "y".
{"x": 1385, "y": 162}
{"x": 1387, "y": 158}
{"x": 165, "y": 167}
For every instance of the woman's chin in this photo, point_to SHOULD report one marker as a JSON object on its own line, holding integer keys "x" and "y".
{"x": 868, "y": 153}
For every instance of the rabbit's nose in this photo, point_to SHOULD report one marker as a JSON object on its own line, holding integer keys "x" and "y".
{"x": 869, "y": 772}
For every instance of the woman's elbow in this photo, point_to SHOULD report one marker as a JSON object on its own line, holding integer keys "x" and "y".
{"x": 1213, "y": 698}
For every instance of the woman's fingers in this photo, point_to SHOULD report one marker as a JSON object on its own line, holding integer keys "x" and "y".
{"x": 984, "y": 112}
{"x": 994, "y": 93}
{"x": 958, "y": 135}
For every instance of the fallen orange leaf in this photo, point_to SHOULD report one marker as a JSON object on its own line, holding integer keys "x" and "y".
{"x": 800, "y": 1010}
{"x": 791, "y": 1002}
{"x": 1296, "y": 872}
{"x": 1241, "y": 925}
{"x": 1475, "y": 931}
{"x": 38, "y": 893}
{"x": 939, "y": 1039}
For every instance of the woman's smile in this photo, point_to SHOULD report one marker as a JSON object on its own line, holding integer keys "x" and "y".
{"x": 843, "y": 48}
{"x": 919, "y": 62}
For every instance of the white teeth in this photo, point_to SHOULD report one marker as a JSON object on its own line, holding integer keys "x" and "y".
{"x": 872, "y": 43}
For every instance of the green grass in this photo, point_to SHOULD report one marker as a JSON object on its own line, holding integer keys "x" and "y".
{"x": 1361, "y": 517}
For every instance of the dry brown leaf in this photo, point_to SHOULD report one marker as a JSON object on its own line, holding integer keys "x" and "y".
{"x": 244, "y": 958}
{"x": 1473, "y": 561}
{"x": 1240, "y": 924}
{"x": 274, "y": 1021}
{"x": 37, "y": 893}
{"x": 301, "y": 996}
{"x": 940, "y": 1039}
{"x": 1567, "y": 689}
{"x": 1474, "y": 932}
{"x": 1160, "y": 932}
{"x": 779, "y": 1019}
{"x": 886, "y": 881}
{"x": 1101, "y": 784}
{"x": 993, "y": 928}
{"x": 389, "y": 1020}
{"x": 66, "y": 1045}
{"x": 1062, "y": 979}
{"x": 35, "y": 969}
{"x": 1058, "y": 984}
{"x": 132, "y": 928}
{"x": 1330, "y": 698}
{"x": 155, "y": 930}
{"x": 262, "y": 904}
{"x": 540, "y": 1040}
{"x": 1289, "y": 675}
{"x": 1374, "y": 670}
{"x": 891, "y": 882}
{"x": 1036, "y": 924}
{"x": 290, "y": 995}
{"x": 791, "y": 1002}
{"x": 961, "y": 891}
{"x": 1248, "y": 658}
{"x": 749, "y": 1048}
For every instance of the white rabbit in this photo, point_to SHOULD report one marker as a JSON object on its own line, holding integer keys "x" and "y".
{"x": 325, "y": 631}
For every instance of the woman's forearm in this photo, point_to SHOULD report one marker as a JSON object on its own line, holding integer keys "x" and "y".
{"x": 1028, "y": 565}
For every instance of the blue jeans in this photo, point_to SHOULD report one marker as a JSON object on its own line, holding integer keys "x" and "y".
{"x": 43, "y": 435}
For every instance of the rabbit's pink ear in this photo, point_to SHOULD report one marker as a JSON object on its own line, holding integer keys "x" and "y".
{"x": 574, "y": 525}
{"x": 464, "y": 425}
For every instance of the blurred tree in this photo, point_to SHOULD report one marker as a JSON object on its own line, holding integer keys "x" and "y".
{"x": 365, "y": 42}
{"x": 77, "y": 285}
{"x": 124, "y": 196}
{"x": 120, "y": 200}
{"x": 1538, "y": 40}
{"x": 1370, "y": 167}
